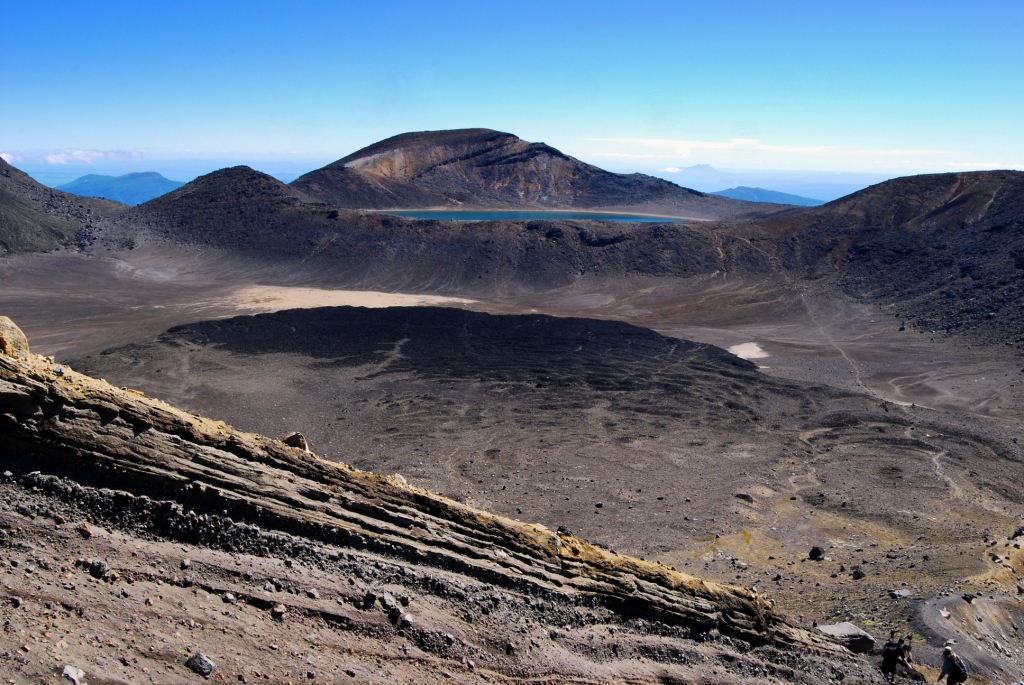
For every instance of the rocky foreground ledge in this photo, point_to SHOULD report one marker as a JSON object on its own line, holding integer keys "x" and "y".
{"x": 136, "y": 535}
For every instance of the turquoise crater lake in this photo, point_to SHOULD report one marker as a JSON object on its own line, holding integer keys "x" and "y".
{"x": 522, "y": 215}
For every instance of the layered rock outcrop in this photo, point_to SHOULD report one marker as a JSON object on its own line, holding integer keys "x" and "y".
{"x": 189, "y": 478}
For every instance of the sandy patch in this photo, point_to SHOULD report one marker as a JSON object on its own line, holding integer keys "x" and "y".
{"x": 748, "y": 350}
{"x": 588, "y": 301}
{"x": 268, "y": 298}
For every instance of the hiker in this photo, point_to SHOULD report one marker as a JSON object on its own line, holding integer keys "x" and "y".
{"x": 953, "y": 668}
{"x": 908, "y": 655}
{"x": 893, "y": 654}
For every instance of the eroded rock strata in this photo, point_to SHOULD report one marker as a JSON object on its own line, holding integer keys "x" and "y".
{"x": 109, "y": 474}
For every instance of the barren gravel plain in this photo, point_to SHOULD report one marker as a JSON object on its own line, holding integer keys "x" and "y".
{"x": 583, "y": 407}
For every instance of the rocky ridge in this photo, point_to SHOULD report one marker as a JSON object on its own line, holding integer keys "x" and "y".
{"x": 78, "y": 448}
{"x": 942, "y": 252}
{"x": 36, "y": 218}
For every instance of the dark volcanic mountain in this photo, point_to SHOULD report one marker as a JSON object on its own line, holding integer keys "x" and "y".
{"x": 35, "y": 218}
{"x": 945, "y": 251}
{"x": 236, "y": 208}
{"x": 251, "y": 214}
{"x": 131, "y": 189}
{"x": 484, "y": 168}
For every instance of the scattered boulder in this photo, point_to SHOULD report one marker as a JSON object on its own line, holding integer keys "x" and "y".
{"x": 850, "y": 636}
{"x": 1017, "y": 533}
{"x": 745, "y": 497}
{"x": 278, "y": 611}
{"x": 312, "y": 593}
{"x": 296, "y": 440}
{"x": 13, "y": 342}
{"x": 85, "y": 531}
{"x": 969, "y": 597}
{"x": 200, "y": 663}
{"x": 75, "y": 675}
{"x": 900, "y": 594}
{"x": 816, "y": 553}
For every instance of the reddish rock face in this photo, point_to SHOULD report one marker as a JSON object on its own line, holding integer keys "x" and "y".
{"x": 13, "y": 342}
{"x": 484, "y": 168}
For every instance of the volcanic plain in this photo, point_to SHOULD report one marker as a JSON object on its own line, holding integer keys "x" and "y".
{"x": 576, "y": 374}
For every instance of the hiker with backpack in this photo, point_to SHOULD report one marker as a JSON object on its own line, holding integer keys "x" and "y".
{"x": 954, "y": 670}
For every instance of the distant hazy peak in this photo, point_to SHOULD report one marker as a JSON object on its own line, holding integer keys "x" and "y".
{"x": 132, "y": 189}
{"x": 762, "y": 195}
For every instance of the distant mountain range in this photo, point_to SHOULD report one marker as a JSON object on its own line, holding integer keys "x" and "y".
{"x": 761, "y": 195}
{"x": 130, "y": 189}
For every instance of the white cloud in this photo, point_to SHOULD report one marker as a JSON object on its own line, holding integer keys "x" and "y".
{"x": 90, "y": 156}
{"x": 685, "y": 148}
{"x": 6, "y": 157}
{"x": 985, "y": 165}
{"x": 671, "y": 170}
{"x": 620, "y": 154}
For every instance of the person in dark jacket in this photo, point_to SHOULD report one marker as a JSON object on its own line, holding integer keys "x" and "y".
{"x": 893, "y": 654}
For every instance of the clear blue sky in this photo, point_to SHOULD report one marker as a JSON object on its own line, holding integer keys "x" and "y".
{"x": 875, "y": 88}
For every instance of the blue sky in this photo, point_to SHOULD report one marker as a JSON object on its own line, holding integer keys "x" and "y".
{"x": 861, "y": 90}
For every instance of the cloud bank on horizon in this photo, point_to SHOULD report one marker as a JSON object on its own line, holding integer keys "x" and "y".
{"x": 753, "y": 153}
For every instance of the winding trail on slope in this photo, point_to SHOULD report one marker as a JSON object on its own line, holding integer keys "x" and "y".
{"x": 957, "y": 492}
{"x": 831, "y": 341}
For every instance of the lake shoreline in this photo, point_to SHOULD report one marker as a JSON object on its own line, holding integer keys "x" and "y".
{"x": 448, "y": 214}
